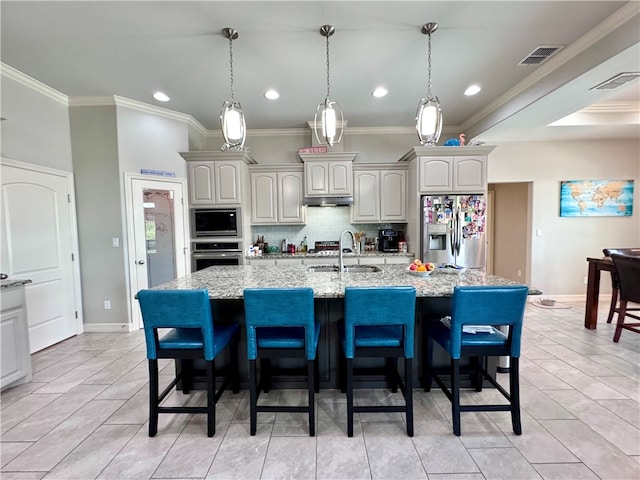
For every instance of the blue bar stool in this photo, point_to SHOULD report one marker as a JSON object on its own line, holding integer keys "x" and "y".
{"x": 280, "y": 323}
{"x": 478, "y": 309}
{"x": 193, "y": 335}
{"x": 380, "y": 322}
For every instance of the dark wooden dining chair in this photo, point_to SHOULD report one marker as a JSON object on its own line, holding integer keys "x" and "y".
{"x": 628, "y": 272}
{"x": 615, "y": 283}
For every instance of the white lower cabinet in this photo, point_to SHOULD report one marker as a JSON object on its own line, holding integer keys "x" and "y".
{"x": 398, "y": 260}
{"x": 288, "y": 261}
{"x": 16, "y": 360}
{"x": 371, "y": 260}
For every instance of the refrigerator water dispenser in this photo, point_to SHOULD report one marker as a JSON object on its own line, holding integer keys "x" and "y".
{"x": 437, "y": 236}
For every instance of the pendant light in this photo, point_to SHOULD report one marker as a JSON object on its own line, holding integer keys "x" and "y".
{"x": 429, "y": 114}
{"x": 232, "y": 121}
{"x": 328, "y": 121}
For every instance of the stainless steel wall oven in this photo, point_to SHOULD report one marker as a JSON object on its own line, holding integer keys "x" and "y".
{"x": 208, "y": 254}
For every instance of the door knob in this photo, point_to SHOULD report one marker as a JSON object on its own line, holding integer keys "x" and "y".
{"x": 140, "y": 262}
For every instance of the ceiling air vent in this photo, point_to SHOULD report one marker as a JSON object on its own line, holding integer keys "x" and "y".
{"x": 540, "y": 54}
{"x": 617, "y": 81}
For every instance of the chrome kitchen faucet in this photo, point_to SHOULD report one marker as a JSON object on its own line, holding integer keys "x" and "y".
{"x": 340, "y": 246}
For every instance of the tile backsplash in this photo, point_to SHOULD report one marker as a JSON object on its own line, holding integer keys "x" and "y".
{"x": 323, "y": 224}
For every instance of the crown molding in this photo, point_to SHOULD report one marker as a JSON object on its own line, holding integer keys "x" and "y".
{"x": 116, "y": 100}
{"x": 30, "y": 82}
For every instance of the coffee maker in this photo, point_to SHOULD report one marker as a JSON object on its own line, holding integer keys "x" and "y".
{"x": 388, "y": 240}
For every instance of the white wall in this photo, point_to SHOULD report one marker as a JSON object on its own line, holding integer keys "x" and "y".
{"x": 36, "y": 129}
{"x": 558, "y": 258}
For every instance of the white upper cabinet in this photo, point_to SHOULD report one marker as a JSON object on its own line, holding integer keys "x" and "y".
{"x": 277, "y": 197}
{"x": 216, "y": 178}
{"x": 328, "y": 178}
{"x": 449, "y": 169}
{"x": 380, "y": 195}
{"x": 453, "y": 174}
{"x": 328, "y": 174}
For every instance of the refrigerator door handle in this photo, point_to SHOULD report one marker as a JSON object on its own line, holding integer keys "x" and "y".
{"x": 452, "y": 238}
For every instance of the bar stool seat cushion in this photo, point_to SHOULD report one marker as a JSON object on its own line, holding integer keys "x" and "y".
{"x": 191, "y": 338}
{"x": 442, "y": 334}
{"x": 378, "y": 336}
{"x": 285, "y": 337}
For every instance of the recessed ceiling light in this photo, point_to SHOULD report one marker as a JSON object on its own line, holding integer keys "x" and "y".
{"x": 472, "y": 90}
{"x": 161, "y": 97}
{"x": 380, "y": 92}
{"x": 271, "y": 94}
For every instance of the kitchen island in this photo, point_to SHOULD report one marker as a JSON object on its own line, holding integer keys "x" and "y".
{"x": 227, "y": 283}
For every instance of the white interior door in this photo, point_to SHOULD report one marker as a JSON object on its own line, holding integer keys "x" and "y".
{"x": 158, "y": 234}
{"x": 38, "y": 243}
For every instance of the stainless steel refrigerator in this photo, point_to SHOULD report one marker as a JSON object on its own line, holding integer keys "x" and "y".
{"x": 453, "y": 230}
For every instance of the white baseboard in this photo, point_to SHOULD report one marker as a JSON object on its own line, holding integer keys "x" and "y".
{"x": 604, "y": 298}
{"x": 107, "y": 327}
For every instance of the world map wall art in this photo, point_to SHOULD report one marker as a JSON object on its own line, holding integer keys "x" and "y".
{"x": 596, "y": 198}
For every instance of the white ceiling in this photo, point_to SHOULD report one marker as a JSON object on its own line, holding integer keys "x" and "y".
{"x": 132, "y": 49}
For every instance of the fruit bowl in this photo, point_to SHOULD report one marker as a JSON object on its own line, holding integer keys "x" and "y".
{"x": 419, "y": 274}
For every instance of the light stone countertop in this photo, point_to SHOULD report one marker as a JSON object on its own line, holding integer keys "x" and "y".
{"x": 228, "y": 282}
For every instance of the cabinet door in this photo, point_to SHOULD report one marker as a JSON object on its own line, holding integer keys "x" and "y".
{"x": 290, "y": 198}
{"x": 316, "y": 178}
{"x": 227, "y": 182}
{"x": 470, "y": 174}
{"x": 366, "y": 193}
{"x": 340, "y": 178}
{"x": 435, "y": 174}
{"x": 201, "y": 183}
{"x": 264, "y": 197}
{"x": 393, "y": 195}
{"x": 15, "y": 347}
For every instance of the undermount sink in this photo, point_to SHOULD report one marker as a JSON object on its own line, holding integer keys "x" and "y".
{"x": 347, "y": 268}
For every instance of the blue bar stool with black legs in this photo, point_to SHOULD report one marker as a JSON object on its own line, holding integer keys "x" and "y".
{"x": 280, "y": 323}
{"x": 480, "y": 309}
{"x": 192, "y": 335}
{"x": 380, "y": 322}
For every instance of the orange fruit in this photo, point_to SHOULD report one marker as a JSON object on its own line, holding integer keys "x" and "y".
{"x": 422, "y": 268}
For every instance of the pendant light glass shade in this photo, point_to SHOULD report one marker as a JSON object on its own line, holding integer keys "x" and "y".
{"x": 233, "y": 125}
{"x": 429, "y": 121}
{"x": 232, "y": 120}
{"x": 328, "y": 121}
{"x": 429, "y": 114}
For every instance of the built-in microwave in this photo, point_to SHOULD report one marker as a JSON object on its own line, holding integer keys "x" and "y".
{"x": 216, "y": 222}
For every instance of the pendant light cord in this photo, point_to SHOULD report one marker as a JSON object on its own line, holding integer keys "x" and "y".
{"x": 328, "y": 84}
{"x": 231, "y": 67}
{"x": 429, "y": 68}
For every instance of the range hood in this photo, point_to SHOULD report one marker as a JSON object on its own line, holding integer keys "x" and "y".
{"x": 328, "y": 201}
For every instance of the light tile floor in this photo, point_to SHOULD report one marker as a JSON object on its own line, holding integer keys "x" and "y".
{"x": 84, "y": 416}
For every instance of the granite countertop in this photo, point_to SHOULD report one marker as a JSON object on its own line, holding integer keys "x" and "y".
{"x": 228, "y": 282}
{"x": 332, "y": 255}
{"x": 13, "y": 283}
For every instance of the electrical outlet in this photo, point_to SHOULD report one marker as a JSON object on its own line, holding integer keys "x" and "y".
{"x": 115, "y": 241}
{"x": 107, "y": 305}
{"x": 585, "y": 280}
{"x": 519, "y": 273}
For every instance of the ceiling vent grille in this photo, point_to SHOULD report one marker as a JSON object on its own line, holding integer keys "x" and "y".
{"x": 617, "y": 81}
{"x": 540, "y": 54}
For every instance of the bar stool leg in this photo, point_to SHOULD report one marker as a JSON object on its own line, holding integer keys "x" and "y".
{"x": 349, "y": 397}
{"x": 408, "y": 394}
{"x": 455, "y": 395}
{"x": 311, "y": 387}
{"x": 211, "y": 398}
{"x": 253, "y": 397}
{"x": 153, "y": 397}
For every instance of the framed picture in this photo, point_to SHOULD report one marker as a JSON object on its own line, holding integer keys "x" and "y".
{"x": 596, "y": 198}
